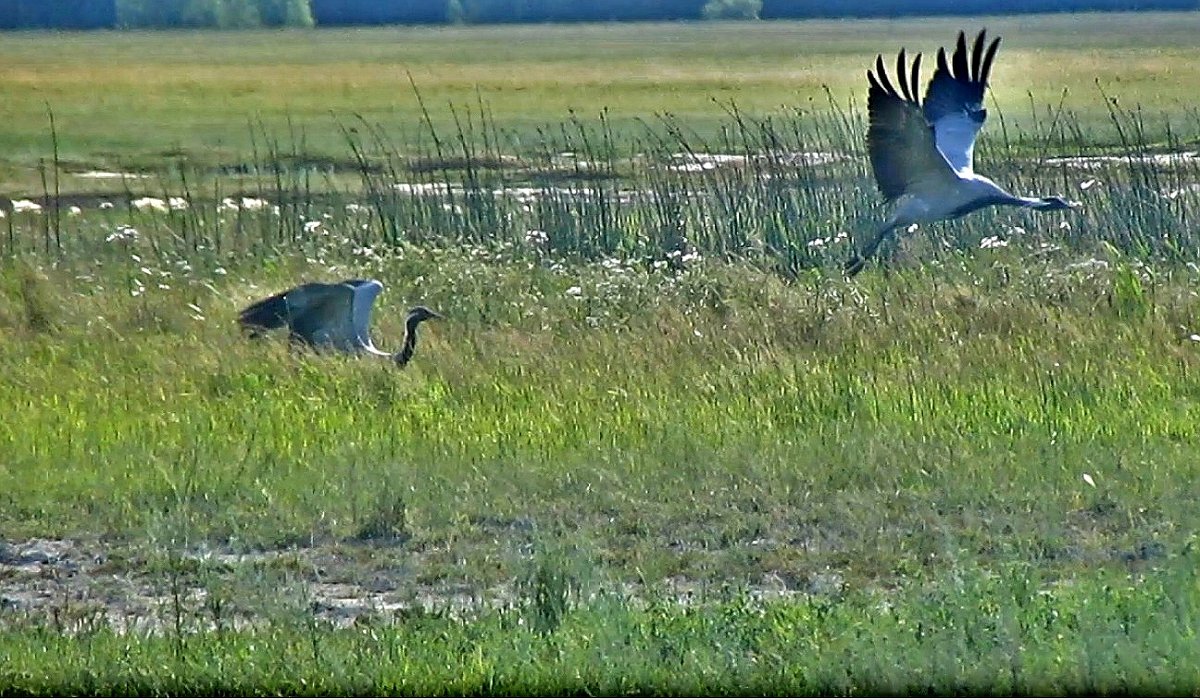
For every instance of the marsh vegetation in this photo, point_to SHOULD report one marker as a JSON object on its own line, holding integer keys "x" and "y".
{"x": 660, "y": 444}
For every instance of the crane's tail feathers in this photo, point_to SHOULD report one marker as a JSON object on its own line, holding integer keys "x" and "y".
{"x": 269, "y": 313}
{"x": 854, "y": 265}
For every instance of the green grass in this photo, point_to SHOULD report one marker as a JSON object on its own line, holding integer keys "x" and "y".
{"x": 871, "y": 428}
{"x": 969, "y": 469}
{"x": 979, "y": 633}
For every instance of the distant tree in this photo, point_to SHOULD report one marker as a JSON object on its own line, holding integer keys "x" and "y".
{"x": 225, "y": 14}
{"x": 285, "y": 13}
{"x": 213, "y": 13}
{"x": 731, "y": 9}
{"x": 487, "y": 11}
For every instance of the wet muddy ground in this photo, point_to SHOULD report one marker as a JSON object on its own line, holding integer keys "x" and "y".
{"x": 72, "y": 585}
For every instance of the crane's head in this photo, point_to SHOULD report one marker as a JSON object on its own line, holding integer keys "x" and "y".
{"x": 1057, "y": 203}
{"x": 421, "y": 313}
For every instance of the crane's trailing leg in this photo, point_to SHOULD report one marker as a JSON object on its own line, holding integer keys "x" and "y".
{"x": 856, "y": 264}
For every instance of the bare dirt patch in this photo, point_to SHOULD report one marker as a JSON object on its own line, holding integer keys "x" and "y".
{"x": 75, "y": 585}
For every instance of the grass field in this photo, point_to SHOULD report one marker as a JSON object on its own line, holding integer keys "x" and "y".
{"x": 142, "y": 100}
{"x": 659, "y": 444}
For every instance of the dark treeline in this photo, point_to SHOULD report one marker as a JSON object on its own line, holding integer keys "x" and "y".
{"x": 781, "y": 9}
{"x": 64, "y": 14}
{"x": 87, "y": 14}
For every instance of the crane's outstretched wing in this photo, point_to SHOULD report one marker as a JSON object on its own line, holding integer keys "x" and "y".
{"x": 320, "y": 313}
{"x": 904, "y": 153}
{"x": 954, "y": 98}
{"x": 365, "y": 292}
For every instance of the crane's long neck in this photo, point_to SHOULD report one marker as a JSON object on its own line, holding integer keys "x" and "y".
{"x": 410, "y": 341}
{"x": 1002, "y": 198}
{"x": 1038, "y": 203}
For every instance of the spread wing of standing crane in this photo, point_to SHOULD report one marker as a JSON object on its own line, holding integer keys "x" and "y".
{"x": 334, "y": 316}
{"x": 923, "y": 156}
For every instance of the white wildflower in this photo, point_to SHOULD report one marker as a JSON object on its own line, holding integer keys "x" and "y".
{"x": 993, "y": 242}
{"x": 24, "y": 205}
{"x": 106, "y": 205}
{"x": 311, "y": 226}
{"x": 143, "y": 203}
{"x": 74, "y": 211}
{"x": 1089, "y": 264}
{"x": 254, "y": 203}
{"x": 354, "y": 206}
{"x": 177, "y": 203}
{"x": 575, "y": 292}
{"x": 536, "y": 237}
{"x": 220, "y": 271}
{"x": 122, "y": 234}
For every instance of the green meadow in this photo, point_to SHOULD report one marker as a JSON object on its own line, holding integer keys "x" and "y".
{"x": 659, "y": 444}
{"x": 143, "y": 100}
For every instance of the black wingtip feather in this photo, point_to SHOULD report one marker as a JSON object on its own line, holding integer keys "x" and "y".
{"x": 881, "y": 74}
{"x": 986, "y": 69}
{"x": 977, "y": 54}
{"x": 908, "y": 77}
{"x": 961, "y": 70}
{"x": 915, "y": 81}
